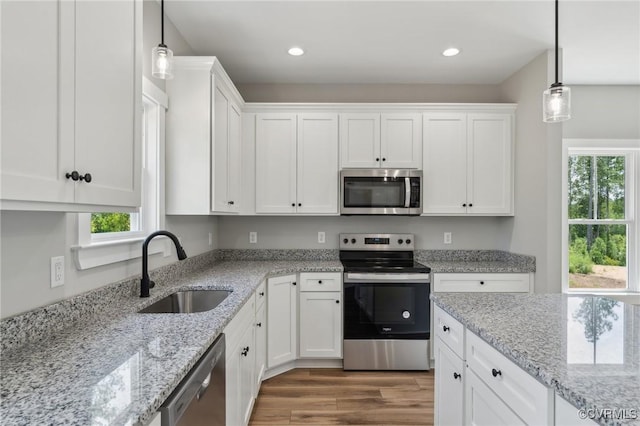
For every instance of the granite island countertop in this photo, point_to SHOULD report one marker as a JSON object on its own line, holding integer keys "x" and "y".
{"x": 586, "y": 348}
{"x": 118, "y": 366}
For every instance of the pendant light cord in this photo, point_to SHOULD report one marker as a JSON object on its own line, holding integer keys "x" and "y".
{"x": 557, "y": 81}
{"x": 162, "y": 28}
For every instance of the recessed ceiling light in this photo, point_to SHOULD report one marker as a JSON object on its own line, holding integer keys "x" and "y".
{"x": 296, "y": 51}
{"x": 452, "y": 51}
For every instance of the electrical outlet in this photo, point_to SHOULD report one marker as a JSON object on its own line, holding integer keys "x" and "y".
{"x": 321, "y": 237}
{"x": 57, "y": 271}
{"x": 447, "y": 237}
{"x": 210, "y": 239}
{"x": 253, "y": 237}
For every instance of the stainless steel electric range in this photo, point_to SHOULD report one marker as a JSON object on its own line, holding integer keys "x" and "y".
{"x": 386, "y": 303}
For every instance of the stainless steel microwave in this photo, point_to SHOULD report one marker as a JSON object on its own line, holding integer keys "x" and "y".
{"x": 380, "y": 192}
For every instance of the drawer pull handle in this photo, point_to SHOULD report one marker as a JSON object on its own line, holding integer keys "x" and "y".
{"x": 495, "y": 372}
{"x": 445, "y": 328}
{"x": 456, "y": 375}
{"x": 245, "y": 351}
{"x": 481, "y": 282}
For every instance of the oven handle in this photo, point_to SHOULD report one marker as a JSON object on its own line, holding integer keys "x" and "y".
{"x": 382, "y": 277}
{"x": 407, "y": 192}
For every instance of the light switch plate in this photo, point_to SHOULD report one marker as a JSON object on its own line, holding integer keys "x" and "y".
{"x": 447, "y": 237}
{"x": 253, "y": 237}
{"x": 321, "y": 237}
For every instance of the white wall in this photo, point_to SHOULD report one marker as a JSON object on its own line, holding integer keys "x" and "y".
{"x": 369, "y": 92}
{"x": 601, "y": 112}
{"x": 30, "y": 239}
{"x": 302, "y": 232}
{"x": 535, "y": 228}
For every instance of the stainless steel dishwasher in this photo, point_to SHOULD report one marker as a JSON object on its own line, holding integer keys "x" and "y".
{"x": 200, "y": 398}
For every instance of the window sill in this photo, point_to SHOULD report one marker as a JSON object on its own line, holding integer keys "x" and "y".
{"x": 109, "y": 252}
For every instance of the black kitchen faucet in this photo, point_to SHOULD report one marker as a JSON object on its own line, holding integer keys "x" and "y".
{"x": 145, "y": 282}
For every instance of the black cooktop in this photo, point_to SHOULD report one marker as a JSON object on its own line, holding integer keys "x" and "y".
{"x": 366, "y": 261}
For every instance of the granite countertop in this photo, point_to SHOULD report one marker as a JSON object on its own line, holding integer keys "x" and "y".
{"x": 118, "y": 366}
{"x": 475, "y": 261}
{"x": 587, "y": 348}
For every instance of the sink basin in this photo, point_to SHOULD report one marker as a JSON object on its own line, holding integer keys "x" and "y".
{"x": 187, "y": 302}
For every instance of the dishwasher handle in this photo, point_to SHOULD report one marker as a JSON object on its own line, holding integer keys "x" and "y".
{"x": 203, "y": 387}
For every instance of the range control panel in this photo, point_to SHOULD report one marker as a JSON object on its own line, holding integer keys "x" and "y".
{"x": 377, "y": 242}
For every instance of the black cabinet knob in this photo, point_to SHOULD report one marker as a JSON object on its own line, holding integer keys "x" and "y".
{"x": 337, "y": 301}
{"x": 384, "y": 159}
{"x": 495, "y": 372}
{"x": 481, "y": 282}
{"x": 245, "y": 351}
{"x": 259, "y": 324}
{"x": 299, "y": 204}
{"x": 377, "y": 159}
{"x": 74, "y": 175}
{"x": 294, "y": 283}
{"x": 319, "y": 281}
{"x": 261, "y": 293}
{"x": 445, "y": 328}
{"x": 87, "y": 177}
{"x": 456, "y": 375}
{"x": 464, "y": 205}
{"x": 470, "y": 204}
{"x": 293, "y": 204}
{"x": 231, "y": 203}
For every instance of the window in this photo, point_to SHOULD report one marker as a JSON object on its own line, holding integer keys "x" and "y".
{"x": 600, "y": 210}
{"x": 111, "y": 237}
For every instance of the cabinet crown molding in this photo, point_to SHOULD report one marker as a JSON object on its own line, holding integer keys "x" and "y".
{"x": 379, "y": 107}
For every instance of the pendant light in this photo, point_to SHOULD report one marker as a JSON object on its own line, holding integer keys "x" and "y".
{"x": 161, "y": 55}
{"x": 556, "y": 100}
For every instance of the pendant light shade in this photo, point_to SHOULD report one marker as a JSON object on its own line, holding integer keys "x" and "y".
{"x": 556, "y": 100}
{"x": 161, "y": 55}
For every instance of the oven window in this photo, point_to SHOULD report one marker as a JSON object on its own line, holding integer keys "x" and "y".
{"x": 383, "y": 305}
{"x": 374, "y": 192}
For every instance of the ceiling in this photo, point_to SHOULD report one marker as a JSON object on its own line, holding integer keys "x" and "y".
{"x": 401, "y": 41}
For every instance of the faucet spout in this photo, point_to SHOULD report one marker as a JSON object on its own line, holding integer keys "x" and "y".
{"x": 145, "y": 282}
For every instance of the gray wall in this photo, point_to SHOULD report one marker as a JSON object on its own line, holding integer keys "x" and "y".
{"x": 535, "y": 228}
{"x": 601, "y": 112}
{"x": 369, "y": 93}
{"x": 30, "y": 239}
{"x": 302, "y": 232}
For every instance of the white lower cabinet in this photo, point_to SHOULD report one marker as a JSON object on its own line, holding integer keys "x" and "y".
{"x": 449, "y": 376}
{"x": 567, "y": 415}
{"x": 282, "y": 321}
{"x": 483, "y": 407}
{"x": 483, "y": 282}
{"x": 320, "y": 324}
{"x": 490, "y": 389}
{"x": 261, "y": 346}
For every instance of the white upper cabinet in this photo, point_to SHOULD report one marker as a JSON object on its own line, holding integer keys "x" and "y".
{"x": 297, "y": 163}
{"x": 66, "y": 109}
{"x": 468, "y": 164}
{"x": 203, "y": 143}
{"x": 389, "y": 140}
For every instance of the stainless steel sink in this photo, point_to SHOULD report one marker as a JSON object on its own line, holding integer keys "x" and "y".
{"x": 187, "y": 302}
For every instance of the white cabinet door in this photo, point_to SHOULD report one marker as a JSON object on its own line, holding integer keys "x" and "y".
{"x": 360, "y": 140}
{"x": 220, "y": 160}
{"x": 275, "y": 163}
{"x": 65, "y": 108}
{"x": 320, "y": 325}
{"x": 489, "y": 181}
{"x": 247, "y": 374}
{"x": 483, "y": 407}
{"x": 239, "y": 379}
{"x": 444, "y": 163}
{"x": 234, "y": 152}
{"x": 37, "y": 151}
{"x": 108, "y": 101}
{"x": 401, "y": 141}
{"x": 261, "y": 347}
{"x": 281, "y": 320}
{"x": 449, "y": 386}
{"x": 317, "y": 164}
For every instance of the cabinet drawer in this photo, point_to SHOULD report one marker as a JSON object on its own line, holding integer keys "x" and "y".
{"x": 512, "y": 283}
{"x": 449, "y": 330}
{"x": 324, "y": 281}
{"x": 528, "y": 398}
{"x": 261, "y": 295}
{"x": 243, "y": 319}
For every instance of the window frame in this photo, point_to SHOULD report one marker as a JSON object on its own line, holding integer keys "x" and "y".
{"x": 94, "y": 250}
{"x": 630, "y": 148}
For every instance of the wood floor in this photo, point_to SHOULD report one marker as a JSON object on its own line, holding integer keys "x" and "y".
{"x": 337, "y": 397}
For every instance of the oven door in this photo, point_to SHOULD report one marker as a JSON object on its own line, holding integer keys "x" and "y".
{"x": 380, "y": 191}
{"x": 377, "y": 306}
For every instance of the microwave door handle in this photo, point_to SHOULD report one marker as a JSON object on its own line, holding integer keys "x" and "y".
{"x": 407, "y": 192}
